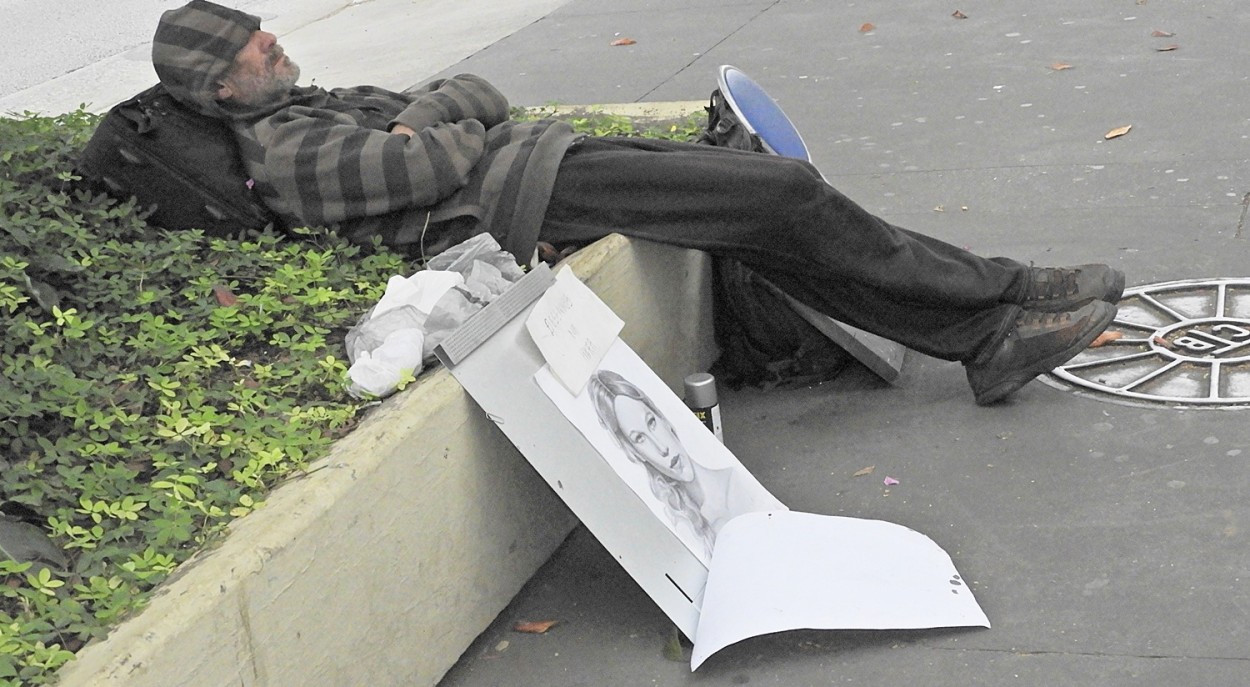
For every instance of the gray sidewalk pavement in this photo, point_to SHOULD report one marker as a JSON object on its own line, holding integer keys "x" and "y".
{"x": 1106, "y": 540}
{"x": 61, "y": 55}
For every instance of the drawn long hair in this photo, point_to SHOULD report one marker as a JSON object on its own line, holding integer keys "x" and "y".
{"x": 605, "y": 387}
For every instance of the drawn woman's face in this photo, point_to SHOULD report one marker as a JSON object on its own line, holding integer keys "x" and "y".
{"x": 653, "y": 439}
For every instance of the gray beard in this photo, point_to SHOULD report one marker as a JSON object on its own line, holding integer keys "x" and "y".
{"x": 264, "y": 89}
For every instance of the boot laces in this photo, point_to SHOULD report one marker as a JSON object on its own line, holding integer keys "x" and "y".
{"x": 1053, "y": 282}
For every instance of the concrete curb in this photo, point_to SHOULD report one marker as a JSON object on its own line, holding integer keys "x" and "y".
{"x": 645, "y": 112}
{"x": 384, "y": 563}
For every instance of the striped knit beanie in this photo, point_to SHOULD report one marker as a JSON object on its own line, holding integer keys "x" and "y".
{"x": 195, "y": 46}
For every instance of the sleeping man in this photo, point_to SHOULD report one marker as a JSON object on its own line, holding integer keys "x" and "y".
{"x": 431, "y": 166}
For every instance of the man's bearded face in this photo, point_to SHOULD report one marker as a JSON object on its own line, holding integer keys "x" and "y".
{"x": 262, "y": 72}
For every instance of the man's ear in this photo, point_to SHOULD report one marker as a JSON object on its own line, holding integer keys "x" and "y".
{"x": 224, "y": 92}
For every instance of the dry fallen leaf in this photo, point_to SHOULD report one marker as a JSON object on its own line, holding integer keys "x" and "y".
{"x": 864, "y": 471}
{"x": 1161, "y": 34}
{"x": 1060, "y": 66}
{"x": 959, "y": 15}
{"x": 225, "y": 297}
{"x": 866, "y": 27}
{"x": 1118, "y": 132}
{"x": 624, "y": 41}
{"x": 1106, "y": 338}
{"x": 534, "y": 627}
{"x": 1168, "y": 48}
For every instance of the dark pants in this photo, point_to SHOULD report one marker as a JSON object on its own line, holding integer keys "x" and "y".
{"x": 778, "y": 216}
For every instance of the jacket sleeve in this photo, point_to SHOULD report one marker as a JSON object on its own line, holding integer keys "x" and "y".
{"x": 448, "y": 101}
{"x": 327, "y": 168}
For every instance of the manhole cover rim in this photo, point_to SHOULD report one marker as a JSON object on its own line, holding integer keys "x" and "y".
{"x": 1062, "y": 379}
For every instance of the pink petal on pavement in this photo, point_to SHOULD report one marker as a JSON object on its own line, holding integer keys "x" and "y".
{"x": 890, "y": 481}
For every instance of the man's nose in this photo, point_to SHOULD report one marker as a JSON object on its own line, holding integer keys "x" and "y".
{"x": 266, "y": 40}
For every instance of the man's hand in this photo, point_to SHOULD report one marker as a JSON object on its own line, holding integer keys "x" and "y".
{"x": 405, "y": 130}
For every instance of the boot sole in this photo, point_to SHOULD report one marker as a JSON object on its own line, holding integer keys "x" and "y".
{"x": 1013, "y": 382}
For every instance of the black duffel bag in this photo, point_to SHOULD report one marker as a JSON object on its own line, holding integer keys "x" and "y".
{"x": 181, "y": 165}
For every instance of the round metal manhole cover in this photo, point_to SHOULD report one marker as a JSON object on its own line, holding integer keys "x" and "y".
{"x": 1183, "y": 343}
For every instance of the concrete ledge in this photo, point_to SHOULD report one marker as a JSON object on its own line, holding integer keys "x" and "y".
{"x": 643, "y": 112}
{"x": 383, "y": 563}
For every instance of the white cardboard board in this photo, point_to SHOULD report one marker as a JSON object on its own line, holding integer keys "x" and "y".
{"x": 494, "y": 359}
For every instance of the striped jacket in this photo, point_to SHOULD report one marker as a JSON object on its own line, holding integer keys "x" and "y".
{"x": 326, "y": 158}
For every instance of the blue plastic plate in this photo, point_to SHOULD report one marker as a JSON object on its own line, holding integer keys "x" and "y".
{"x": 761, "y": 114}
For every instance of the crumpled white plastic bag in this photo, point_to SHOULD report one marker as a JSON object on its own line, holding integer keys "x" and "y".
{"x": 378, "y": 372}
{"x": 398, "y": 335}
{"x": 422, "y": 290}
{"x": 481, "y": 248}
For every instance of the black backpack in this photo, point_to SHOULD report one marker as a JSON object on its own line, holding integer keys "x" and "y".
{"x": 182, "y": 165}
{"x": 763, "y": 341}
{"x": 725, "y": 129}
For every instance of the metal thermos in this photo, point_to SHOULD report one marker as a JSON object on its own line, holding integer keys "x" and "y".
{"x": 701, "y": 398}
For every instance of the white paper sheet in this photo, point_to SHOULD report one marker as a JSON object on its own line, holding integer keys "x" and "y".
{"x": 786, "y": 571}
{"x": 572, "y": 329}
